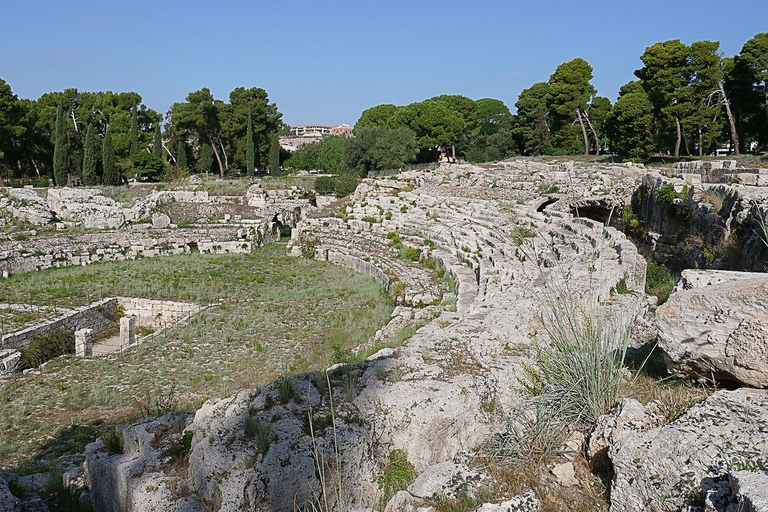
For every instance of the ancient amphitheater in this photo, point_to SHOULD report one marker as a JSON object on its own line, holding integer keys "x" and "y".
{"x": 482, "y": 259}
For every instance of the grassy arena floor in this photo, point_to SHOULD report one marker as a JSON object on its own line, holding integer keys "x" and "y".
{"x": 271, "y": 315}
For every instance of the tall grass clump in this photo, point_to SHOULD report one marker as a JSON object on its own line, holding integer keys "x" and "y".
{"x": 577, "y": 373}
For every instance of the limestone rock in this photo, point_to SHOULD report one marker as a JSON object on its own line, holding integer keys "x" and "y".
{"x": 679, "y": 461}
{"x": 446, "y": 480}
{"x": 750, "y": 489}
{"x": 8, "y": 502}
{"x": 628, "y": 418}
{"x": 718, "y": 329}
{"x": 160, "y": 221}
{"x": 527, "y": 502}
{"x": 565, "y": 474}
{"x": 25, "y": 204}
{"x": 9, "y": 361}
{"x": 88, "y": 206}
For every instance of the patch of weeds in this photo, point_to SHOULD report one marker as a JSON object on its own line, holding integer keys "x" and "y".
{"x": 113, "y": 441}
{"x": 548, "y": 188}
{"x": 46, "y": 346}
{"x": 144, "y": 330}
{"x": 519, "y": 234}
{"x": 412, "y": 254}
{"x": 181, "y": 448}
{"x": 660, "y": 280}
{"x": 398, "y": 475}
{"x": 621, "y": 287}
{"x": 17, "y": 488}
{"x": 156, "y": 403}
{"x": 287, "y": 392}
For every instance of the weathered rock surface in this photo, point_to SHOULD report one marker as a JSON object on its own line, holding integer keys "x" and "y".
{"x": 432, "y": 397}
{"x": 628, "y": 418}
{"x": 716, "y": 325}
{"x": 88, "y": 206}
{"x": 25, "y": 204}
{"x": 447, "y": 480}
{"x": 680, "y": 463}
{"x": 522, "y": 503}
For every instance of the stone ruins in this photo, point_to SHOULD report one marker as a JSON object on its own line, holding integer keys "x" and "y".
{"x": 506, "y": 234}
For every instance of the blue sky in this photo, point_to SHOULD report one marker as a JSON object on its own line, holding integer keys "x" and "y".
{"x": 325, "y": 62}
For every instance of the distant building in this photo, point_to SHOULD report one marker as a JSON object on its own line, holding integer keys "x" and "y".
{"x": 307, "y": 133}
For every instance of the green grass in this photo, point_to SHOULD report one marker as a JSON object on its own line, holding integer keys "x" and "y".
{"x": 660, "y": 280}
{"x": 270, "y": 315}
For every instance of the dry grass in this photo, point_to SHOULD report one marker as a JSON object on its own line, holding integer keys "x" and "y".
{"x": 277, "y": 315}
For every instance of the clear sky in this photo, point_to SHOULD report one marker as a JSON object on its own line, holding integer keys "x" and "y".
{"x": 326, "y": 61}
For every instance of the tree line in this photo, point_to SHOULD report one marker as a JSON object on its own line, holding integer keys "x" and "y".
{"x": 687, "y": 99}
{"x": 105, "y": 137}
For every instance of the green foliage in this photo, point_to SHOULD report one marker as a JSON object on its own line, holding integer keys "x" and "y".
{"x": 287, "y": 392}
{"x": 157, "y": 143}
{"x": 146, "y": 166}
{"x": 569, "y": 91}
{"x": 181, "y": 154}
{"x": 250, "y": 148}
{"x": 274, "y": 156}
{"x": 89, "y": 158}
{"x": 17, "y": 488}
{"x": 157, "y": 403}
{"x": 45, "y": 346}
{"x": 257, "y": 430}
{"x": 111, "y": 174}
{"x": 621, "y": 287}
{"x": 380, "y": 147}
{"x": 113, "y": 441}
{"x": 134, "y": 132}
{"x": 667, "y": 194}
{"x": 204, "y": 159}
{"x": 398, "y": 475}
{"x": 660, "y": 280}
{"x": 340, "y": 186}
{"x": 60, "y": 166}
{"x": 632, "y": 122}
{"x": 631, "y": 225}
{"x": 412, "y": 254}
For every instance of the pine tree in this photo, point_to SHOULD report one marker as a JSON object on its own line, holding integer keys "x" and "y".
{"x": 89, "y": 156}
{"x": 60, "y": 171}
{"x": 157, "y": 145}
{"x": 181, "y": 155}
{"x": 134, "y": 131}
{"x": 111, "y": 175}
{"x": 274, "y": 156}
{"x": 250, "y": 157}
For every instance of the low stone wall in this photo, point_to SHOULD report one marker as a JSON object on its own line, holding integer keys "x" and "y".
{"x": 358, "y": 265}
{"x": 129, "y": 245}
{"x": 97, "y": 316}
{"x": 156, "y": 313}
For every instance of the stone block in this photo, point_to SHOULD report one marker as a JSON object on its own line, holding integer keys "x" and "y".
{"x": 127, "y": 330}
{"x": 84, "y": 343}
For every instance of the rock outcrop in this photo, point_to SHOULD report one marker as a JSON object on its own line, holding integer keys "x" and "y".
{"x": 688, "y": 461}
{"x": 432, "y": 398}
{"x": 87, "y": 206}
{"x": 716, "y": 326}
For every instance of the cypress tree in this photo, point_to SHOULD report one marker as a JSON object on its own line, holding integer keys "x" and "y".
{"x": 274, "y": 156}
{"x": 157, "y": 145}
{"x": 134, "y": 131}
{"x": 111, "y": 176}
{"x": 250, "y": 157}
{"x": 205, "y": 158}
{"x": 89, "y": 157}
{"x": 181, "y": 155}
{"x": 60, "y": 150}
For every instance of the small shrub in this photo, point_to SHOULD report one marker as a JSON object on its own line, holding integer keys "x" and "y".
{"x": 659, "y": 280}
{"x": 287, "y": 392}
{"x": 157, "y": 403}
{"x": 257, "y": 430}
{"x": 144, "y": 330}
{"x": 181, "y": 448}
{"x": 621, "y": 287}
{"x": 398, "y": 475}
{"x": 113, "y": 441}
{"x": 18, "y": 489}
{"x": 412, "y": 254}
